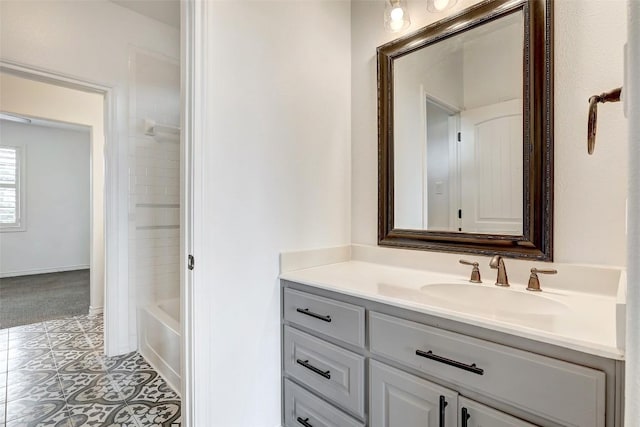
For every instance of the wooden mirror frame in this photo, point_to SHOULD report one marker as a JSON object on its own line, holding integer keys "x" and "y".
{"x": 536, "y": 241}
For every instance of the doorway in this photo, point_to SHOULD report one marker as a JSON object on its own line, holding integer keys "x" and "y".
{"x": 58, "y": 136}
{"x": 45, "y": 220}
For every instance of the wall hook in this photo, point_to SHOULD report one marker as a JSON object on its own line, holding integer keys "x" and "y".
{"x": 611, "y": 96}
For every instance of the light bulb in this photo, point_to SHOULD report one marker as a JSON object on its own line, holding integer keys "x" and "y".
{"x": 440, "y": 4}
{"x": 397, "y": 14}
{"x": 396, "y": 25}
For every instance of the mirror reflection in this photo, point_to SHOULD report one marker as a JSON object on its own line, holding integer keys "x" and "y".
{"x": 458, "y": 132}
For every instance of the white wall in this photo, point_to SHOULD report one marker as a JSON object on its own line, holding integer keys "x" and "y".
{"x": 590, "y": 192}
{"x": 57, "y": 190}
{"x": 276, "y": 177}
{"x": 50, "y": 102}
{"x": 91, "y": 40}
{"x": 438, "y": 136}
{"x": 439, "y": 72}
{"x": 493, "y": 63}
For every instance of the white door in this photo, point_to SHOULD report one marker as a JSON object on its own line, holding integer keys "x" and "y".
{"x": 491, "y": 168}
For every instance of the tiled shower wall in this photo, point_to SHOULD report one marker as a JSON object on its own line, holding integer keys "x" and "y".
{"x": 154, "y": 179}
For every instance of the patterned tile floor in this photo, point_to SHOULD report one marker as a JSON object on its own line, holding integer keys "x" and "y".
{"x": 54, "y": 373}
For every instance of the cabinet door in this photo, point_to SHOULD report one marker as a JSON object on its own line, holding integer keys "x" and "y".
{"x": 399, "y": 399}
{"x": 474, "y": 414}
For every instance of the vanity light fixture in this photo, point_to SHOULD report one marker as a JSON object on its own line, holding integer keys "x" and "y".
{"x": 440, "y": 5}
{"x": 396, "y": 15}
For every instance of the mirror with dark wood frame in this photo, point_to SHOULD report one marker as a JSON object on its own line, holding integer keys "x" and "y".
{"x": 465, "y": 114}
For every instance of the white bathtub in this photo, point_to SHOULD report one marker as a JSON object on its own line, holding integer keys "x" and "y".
{"x": 159, "y": 338}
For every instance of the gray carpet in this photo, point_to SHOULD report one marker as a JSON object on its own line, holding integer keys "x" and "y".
{"x": 31, "y": 299}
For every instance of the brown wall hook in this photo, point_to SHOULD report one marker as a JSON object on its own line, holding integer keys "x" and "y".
{"x": 611, "y": 96}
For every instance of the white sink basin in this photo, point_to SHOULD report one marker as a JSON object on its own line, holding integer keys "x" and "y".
{"x": 491, "y": 300}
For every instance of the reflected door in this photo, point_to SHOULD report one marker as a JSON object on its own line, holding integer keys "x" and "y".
{"x": 491, "y": 169}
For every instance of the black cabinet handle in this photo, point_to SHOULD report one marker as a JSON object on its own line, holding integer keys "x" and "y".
{"x": 312, "y": 314}
{"x": 465, "y": 417}
{"x": 471, "y": 368}
{"x": 305, "y": 363}
{"x": 443, "y": 405}
{"x": 304, "y": 422}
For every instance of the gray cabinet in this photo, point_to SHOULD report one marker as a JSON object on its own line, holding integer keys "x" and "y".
{"x": 474, "y": 414}
{"x": 334, "y": 372}
{"x": 562, "y": 392}
{"x": 303, "y": 409}
{"x": 338, "y": 352}
{"x": 399, "y": 399}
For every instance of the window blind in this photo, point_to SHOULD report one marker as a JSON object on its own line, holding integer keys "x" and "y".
{"x": 9, "y": 190}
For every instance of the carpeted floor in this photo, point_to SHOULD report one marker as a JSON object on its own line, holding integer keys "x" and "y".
{"x": 32, "y": 299}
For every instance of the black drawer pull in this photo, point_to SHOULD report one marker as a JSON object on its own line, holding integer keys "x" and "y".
{"x": 471, "y": 368}
{"x": 443, "y": 405}
{"x": 465, "y": 417}
{"x": 306, "y": 364}
{"x": 304, "y": 422}
{"x": 312, "y": 314}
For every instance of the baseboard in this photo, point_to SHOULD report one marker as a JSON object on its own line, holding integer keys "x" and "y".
{"x": 43, "y": 271}
{"x": 94, "y": 311}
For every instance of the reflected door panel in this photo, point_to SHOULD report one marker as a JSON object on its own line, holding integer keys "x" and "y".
{"x": 491, "y": 169}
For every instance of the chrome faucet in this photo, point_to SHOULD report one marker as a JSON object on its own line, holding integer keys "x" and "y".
{"x": 498, "y": 262}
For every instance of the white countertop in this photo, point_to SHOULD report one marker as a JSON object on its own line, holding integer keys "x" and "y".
{"x": 586, "y": 323}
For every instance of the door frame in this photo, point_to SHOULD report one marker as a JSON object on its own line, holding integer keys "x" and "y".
{"x": 116, "y": 315}
{"x": 193, "y": 56}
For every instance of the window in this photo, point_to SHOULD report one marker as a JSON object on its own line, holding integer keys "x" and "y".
{"x": 11, "y": 189}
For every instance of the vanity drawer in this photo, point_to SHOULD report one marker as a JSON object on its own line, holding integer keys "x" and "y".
{"x": 333, "y": 318}
{"x": 562, "y": 392}
{"x": 302, "y": 407}
{"x": 334, "y": 372}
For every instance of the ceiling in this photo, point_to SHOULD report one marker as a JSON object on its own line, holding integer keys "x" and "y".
{"x": 166, "y": 11}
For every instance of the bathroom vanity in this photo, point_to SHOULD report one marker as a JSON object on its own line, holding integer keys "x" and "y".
{"x": 365, "y": 344}
{"x": 389, "y": 337}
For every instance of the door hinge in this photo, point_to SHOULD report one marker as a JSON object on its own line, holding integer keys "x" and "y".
{"x": 459, "y": 136}
{"x": 459, "y": 213}
{"x": 191, "y": 262}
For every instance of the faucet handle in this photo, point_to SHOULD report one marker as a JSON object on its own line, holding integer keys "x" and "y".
{"x": 534, "y": 282}
{"x": 475, "y": 273}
